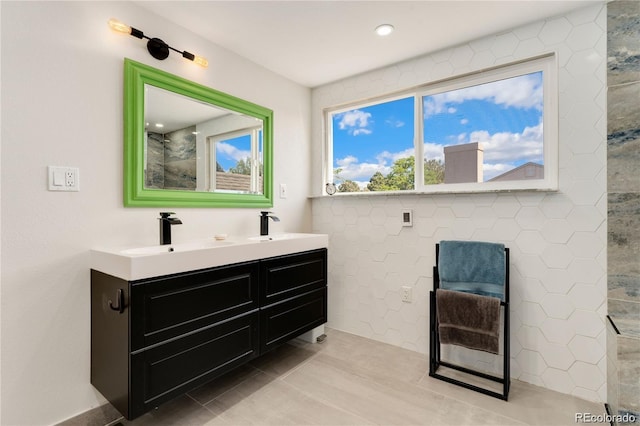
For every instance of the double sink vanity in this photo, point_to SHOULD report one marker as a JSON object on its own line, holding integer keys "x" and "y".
{"x": 166, "y": 319}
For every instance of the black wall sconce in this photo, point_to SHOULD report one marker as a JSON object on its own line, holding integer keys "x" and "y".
{"x": 156, "y": 47}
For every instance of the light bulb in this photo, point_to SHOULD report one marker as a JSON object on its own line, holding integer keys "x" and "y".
{"x": 201, "y": 61}
{"x": 119, "y": 26}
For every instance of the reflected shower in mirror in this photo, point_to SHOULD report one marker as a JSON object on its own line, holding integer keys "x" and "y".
{"x": 195, "y": 146}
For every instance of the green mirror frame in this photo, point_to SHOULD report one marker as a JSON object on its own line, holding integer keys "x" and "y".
{"x": 136, "y": 75}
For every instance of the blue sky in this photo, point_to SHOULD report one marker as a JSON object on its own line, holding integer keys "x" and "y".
{"x": 229, "y": 151}
{"x": 504, "y": 116}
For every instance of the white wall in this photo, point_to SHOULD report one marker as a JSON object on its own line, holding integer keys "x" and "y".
{"x": 62, "y": 80}
{"x": 0, "y": 225}
{"x": 557, "y": 240}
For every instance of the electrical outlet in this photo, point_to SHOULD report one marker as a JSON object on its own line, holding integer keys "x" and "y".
{"x": 70, "y": 178}
{"x": 64, "y": 178}
{"x": 407, "y": 294}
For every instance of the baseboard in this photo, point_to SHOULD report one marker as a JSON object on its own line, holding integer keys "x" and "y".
{"x": 105, "y": 415}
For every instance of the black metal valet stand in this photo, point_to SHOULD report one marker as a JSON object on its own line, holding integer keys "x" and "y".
{"x": 434, "y": 347}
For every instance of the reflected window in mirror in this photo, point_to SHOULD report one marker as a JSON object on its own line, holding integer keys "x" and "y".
{"x": 176, "y": 147}
{"x": 235, "y": 163}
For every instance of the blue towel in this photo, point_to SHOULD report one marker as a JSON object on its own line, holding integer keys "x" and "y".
{"x": 472, "y": 267}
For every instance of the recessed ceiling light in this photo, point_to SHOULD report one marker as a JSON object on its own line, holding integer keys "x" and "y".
{"x": 159, "y": 125}
{"x": 384, "y": 29}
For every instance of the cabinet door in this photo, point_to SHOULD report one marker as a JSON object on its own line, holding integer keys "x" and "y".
{"x": 287, "y": 276}
{"x": 290, "y": 318}
{"x": 168, "y": 307}
{"x": 164, "y": 371}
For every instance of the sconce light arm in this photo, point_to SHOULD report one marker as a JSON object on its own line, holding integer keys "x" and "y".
{"x": 156, "y": 47}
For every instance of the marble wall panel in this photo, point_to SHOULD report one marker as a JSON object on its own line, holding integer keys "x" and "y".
{"x": 612, "y": 368}
{"x": 623, "y": 247}
{"x": 180, "y": 159}
{"x": 154, "y": 176}
{"x": 623, "y": 41}
{"x": 623, "y": 158}
{"x": 626, "y": 316}
{"x": 623, "y": 139}
{"x": 629, "y": 372}
{"x": 623, "y": 217}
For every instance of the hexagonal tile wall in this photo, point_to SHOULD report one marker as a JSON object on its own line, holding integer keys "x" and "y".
{"x": 557, "y": 240}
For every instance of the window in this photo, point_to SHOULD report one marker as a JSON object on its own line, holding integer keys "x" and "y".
{"x": 373, "y": 147}
{"x": 234, "y": 164}
{"x": 488, "y": 131}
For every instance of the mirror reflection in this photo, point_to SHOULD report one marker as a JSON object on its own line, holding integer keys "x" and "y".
{"x": 191, "y": 145}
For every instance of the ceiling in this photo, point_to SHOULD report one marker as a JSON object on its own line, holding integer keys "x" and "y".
{"x": 317, "y": 42}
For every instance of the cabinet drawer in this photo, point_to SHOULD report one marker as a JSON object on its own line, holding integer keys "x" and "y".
{"x": 287, "y": 276}
{"x": 290, "y": 318}
{"x": 172, "y": 368}
{"x": 168, "y": 307}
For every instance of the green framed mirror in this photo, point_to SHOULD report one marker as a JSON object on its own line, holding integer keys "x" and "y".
{"x": 187, "y": 145}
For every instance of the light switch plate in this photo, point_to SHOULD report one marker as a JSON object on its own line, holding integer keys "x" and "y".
{"x": 64, "y": 178}
{"x": 407, "y": 217}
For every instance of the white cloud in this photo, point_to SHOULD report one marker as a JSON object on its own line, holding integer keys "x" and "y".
{"x": 520, "y": 92}
{"x": 464, "y": 121}
{"x": 359, "y": 172}
{"x": 393, "y": 122}
{"x": 356, "y": 132}
{"x": 230, "y": 151}
{"x": 505, "y": 147}
{"x": 388, "y": 158}
{"x": 504, "y": 150}
{"x": 346, "y": 161}
{"x": 356, "y": 122}
{"x": 489, "y": 171}
{"x": 433, "y": 151}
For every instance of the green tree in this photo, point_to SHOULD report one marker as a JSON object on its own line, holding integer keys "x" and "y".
{"x": 402, "y": 175}
{"x": 242, "y": 167}
{"x": 349, "y": 186}
{"x": 378, "y": 182}
{"x": 433, "y": 172}
{"x": 219, "y": 168}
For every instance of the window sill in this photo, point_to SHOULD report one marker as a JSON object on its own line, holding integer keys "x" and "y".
{"x": 422, "y": 193}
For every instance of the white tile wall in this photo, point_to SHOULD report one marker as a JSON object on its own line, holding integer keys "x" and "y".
{"x": 557, "y": 240}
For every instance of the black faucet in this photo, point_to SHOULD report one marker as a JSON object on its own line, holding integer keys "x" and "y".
{"x": 165, "y": 226}
{"x": 264, "y": 222}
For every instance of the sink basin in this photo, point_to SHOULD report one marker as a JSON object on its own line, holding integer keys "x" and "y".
{"x": 135, "y": 263}
{"x": 273, "y": 237}
{"x": 173, "y": 248}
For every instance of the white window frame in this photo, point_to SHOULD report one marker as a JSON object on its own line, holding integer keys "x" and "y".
{"x": 253, "y": 133}
{"x": 546, "y": 63}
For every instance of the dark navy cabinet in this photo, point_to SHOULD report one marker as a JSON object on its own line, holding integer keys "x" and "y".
{"x": 157, "y": 338}
{"x": 293, "y": 296}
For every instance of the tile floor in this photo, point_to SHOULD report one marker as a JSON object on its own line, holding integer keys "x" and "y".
{"x": 350, "y": 380}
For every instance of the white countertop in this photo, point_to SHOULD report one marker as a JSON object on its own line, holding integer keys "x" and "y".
{"x": 135, "y": 263}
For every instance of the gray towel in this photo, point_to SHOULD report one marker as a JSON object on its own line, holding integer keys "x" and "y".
{"x": 468, "y": 320}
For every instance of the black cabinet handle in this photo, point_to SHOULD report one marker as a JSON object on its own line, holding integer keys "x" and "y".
{"x": 120, "y": 305}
